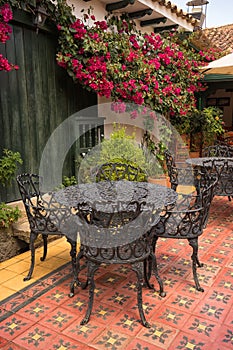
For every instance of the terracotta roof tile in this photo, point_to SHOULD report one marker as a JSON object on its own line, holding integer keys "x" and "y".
{"x": 221, "y": 36}
{"x": 179, "y": 12}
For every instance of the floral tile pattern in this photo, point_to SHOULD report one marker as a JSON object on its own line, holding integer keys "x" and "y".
{"x": 43, "y": 316}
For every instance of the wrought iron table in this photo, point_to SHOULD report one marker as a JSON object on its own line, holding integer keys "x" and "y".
{"x": 113, "y": 220}
{"x": 222, "y": 167}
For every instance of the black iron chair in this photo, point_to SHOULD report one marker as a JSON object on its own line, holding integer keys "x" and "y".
{"x": 218, "y": 150}
{"x": 222, "y": 168}
{"x": 134, "y": 253}
{"x": 45, "y": 216}
{"x": 185, "y": 220}
{"x": 183, "y": 179}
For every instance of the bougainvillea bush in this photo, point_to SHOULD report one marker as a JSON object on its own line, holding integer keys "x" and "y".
{"x": 116, "y": 60}
{"x": 5, "y": 31}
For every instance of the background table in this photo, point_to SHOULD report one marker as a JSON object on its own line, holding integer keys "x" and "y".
{"x": 222, "y": 167}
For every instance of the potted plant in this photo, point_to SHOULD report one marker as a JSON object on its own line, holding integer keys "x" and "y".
{"x": 8, "y": 214}
{"x": 119, "y": 148}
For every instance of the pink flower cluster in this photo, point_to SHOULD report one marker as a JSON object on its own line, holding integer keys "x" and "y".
{"x": 5, "y": 31}
{"x": 128, "y": 66}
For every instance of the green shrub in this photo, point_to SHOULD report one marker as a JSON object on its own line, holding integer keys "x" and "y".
{"x": 8, "y": 166}
{"x": 8, "y": 215}
{"x": 119, "y": 148}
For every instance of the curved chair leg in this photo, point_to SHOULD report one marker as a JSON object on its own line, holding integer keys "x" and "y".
{"x": 33, "y": 237}
{"x": 74, "y": 265}
{"x": 138, "y": 268}
{"x": 158, "y": 278}
{"x": 45, "y": 240}
{"x": 153, "y": 246}
{"x": 147, "y": 267}
{"x": 92, "y": 267}
{"x": 195, "y": 261}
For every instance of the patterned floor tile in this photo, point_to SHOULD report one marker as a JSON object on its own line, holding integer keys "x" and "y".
{"x": 186, "y": 341}
{"x": 171, "y": 283}
{"x": 225, "y": 338}
{"x": 61, "y": 342}
{"x": 177, "y": 271}
{"x": 127, "y": 323}
{"x": 220, "y": 297}
{"x": 36, "y": 337}
{"x": 224, "y": 283}
{"x": 76, "y": 304}
{"x": 200, "y": 327}
{"x": 159, "y": 334}
{"x": 12, "y": 346}
{"x": 14, "y": 302}
{"x": 104, "y": 313}
{"x": 13, "y": 326}
{"x": 36, "y": 310}
{"x": 182, "y": 302}
{"x": 148, "y": 305}
{"x": 59, "y": 319}
{"x": 56, "y": 296}
{"x": 110, "y": 279}
{"x": 226, "y": 274}
{"x": 139, "y": 344}
{"x": 188, "y": 288}
{"x": 110, "y": 339}
{"x": 229, "y": 318}
{"x": 3, "y": 341}
{"x": 84, "y": 333}
{"x": 170, "y": 316}
{"x": 119, "y": 298}
{"x": 211, "y": 310}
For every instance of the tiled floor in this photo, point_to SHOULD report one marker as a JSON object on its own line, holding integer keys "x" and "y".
{"x": 38, "y": 314}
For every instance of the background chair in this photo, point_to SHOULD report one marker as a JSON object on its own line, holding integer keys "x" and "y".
{"x": 222, "y": 169}
{"x": 183, "y": 179}
{"x": 186, "y": 220}
{"x": 218, "y": 150}
{"x": 45, "y": 216}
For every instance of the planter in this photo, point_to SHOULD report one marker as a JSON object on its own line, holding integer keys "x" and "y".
{"x": 163, "y": 180}
{"x": 195, "y": 154}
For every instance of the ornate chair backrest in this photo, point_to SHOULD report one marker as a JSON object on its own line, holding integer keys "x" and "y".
{"x": 44, "y": 214}
{"x": 116, "y": 171}
{"x": 222, "y": 169}
{"x": 187, "y": 218}
{"x": 218, "y": 150}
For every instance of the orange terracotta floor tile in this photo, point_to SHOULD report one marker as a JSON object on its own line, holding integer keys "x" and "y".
{"x": 39, "y": 314}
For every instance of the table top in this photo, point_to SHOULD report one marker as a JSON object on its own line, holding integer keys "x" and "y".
{"x": 105, "y": 195}
{"x": 200, "y": 161}
{"x": 116, "y": 197}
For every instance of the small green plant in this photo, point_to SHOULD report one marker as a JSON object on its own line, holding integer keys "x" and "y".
{"x": 8, "y": 215}
{"x": 8, "y": 166}
{"x": 69, "y": 181}
{"x": 208, "y": 124}
{"x": 119, "y": 148}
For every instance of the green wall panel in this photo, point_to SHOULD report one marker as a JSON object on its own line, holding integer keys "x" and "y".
{"x": 35, "y": 99}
